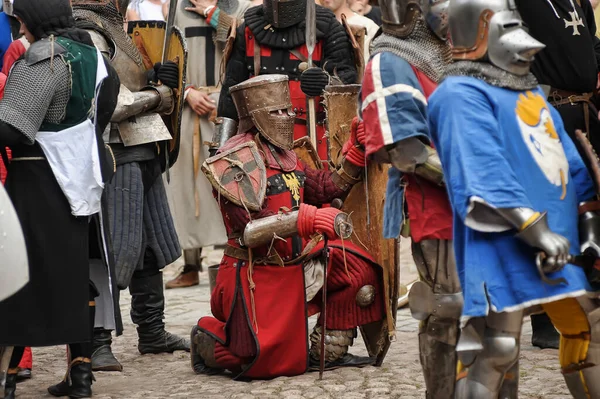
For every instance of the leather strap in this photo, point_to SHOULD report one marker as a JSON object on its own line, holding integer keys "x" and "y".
{"x": 298, "y": 55}
{"x": 560, "y": 97}
{"x": 274, "y": 260}
{"x": 139, "y": 43}
{"x": 591, "y": 206}
{"x": 256, "y": 57}
{"x": 196, "y": 139}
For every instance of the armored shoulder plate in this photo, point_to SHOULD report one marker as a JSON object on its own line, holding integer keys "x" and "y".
{"x": 42, "y": 50}
{"x": 239, "y": 174}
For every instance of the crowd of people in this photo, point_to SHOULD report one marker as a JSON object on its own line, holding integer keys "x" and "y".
{"x": 482, "y": 115}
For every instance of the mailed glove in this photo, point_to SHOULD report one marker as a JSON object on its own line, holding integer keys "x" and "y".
{"x": 167, "y": 73}
{"x": 313, "y": 81}
{"x": 556, "y": 247}
{"x": 313, "y": 220}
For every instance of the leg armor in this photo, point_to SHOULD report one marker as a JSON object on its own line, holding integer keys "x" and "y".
{"x": 580, "y": 366}
{"x": 436, "y": 300}
{"x": 337, "y": 343}
{"x": 492, "y": 349}
{"x": 202, "y": 354}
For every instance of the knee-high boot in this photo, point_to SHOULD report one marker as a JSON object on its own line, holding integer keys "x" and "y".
{"x": 102, "y": 357}
{"x": 147, "y": 312}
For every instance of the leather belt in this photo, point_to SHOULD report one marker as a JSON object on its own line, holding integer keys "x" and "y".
{"x": 591, "y": 206}
{"x": 558, "y": 97}
{"x": 273, "y": 260}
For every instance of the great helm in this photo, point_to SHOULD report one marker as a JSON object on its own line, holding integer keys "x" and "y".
{"x": 284, "y": 13}
{"x": 399, "y": 17}
{"x": 491, "y": 30}
{"x": 264, "y": 102}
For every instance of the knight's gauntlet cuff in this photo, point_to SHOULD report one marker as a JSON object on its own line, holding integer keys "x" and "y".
{"x": 347, "y": 175}
{"x": 167, "y": 100}
{"x": 431, "y": 170}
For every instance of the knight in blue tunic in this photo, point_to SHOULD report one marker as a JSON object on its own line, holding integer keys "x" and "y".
{"x": 518, "y": 188}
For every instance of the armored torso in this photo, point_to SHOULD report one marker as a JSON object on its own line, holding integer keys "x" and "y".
{"x": 106, "y": 29}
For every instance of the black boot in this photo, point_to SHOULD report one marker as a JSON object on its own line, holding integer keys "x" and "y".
{"x": 10, "y": 385}
{"x": 147, "y": 312}
{"x": 77, "y": 382}
{"x": 544, "y": 334}
{"x": 102, "y": 357}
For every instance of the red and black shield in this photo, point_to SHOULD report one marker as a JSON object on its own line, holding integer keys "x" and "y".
{"x": 239, "y": 174}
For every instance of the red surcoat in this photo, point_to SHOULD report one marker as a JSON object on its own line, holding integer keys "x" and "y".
{"x": 267, "y": 329}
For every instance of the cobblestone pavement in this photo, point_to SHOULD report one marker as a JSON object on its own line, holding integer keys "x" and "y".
{"x": 170, "y": 375}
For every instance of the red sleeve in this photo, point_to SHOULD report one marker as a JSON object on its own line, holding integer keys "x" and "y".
{"x": 2, "y": 84}
{"x": 319, "y": 188}
{"x": 236, "y": 216}
{"x": 13, "y": 53}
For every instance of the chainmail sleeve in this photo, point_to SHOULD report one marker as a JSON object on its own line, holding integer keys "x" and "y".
{"x": 338, "y": 56}
{"x": 236, "y": 72}
{"x": 34, "y": 94}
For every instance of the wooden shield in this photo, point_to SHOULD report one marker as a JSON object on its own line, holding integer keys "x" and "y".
{"x": 365, "y": 203}
{"x": 307, "y": 153}
{"x": 239, "y": 174}
{"x": 149, "y": 38}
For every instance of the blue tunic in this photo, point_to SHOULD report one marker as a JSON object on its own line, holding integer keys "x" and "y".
{"x": 506, "y": 149}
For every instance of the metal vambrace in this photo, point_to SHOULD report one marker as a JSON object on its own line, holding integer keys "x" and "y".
{"x": 156, "y": 99}
{"x": 284, "y": 225}
{"x": 225, "y": 128}
{"x": 337, "y": 343}
{"x": 347, "y": 175}
{"x": 262, "y": 231}
{"x": 413, "y": 156}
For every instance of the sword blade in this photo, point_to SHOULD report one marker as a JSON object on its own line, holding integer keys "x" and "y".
{"x": 170, "y": 24}
{"x": 311, "y": 29}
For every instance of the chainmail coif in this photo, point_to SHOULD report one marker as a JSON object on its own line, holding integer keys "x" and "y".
{"x": 422, "y": 49}
{"x": 492, "y": 75}
{"x": 105, "y": 18}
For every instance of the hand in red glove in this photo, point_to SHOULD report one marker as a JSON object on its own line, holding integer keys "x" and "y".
{"x": 313, "y": 220}
{"x": 357, "y": 135}
{"x": 354, "y": 149}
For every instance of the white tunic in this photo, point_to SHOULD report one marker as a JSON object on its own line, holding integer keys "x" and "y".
{"x": 204, "y": 60}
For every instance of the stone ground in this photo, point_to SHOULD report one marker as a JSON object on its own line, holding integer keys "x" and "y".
{"x": 170, "y": 375}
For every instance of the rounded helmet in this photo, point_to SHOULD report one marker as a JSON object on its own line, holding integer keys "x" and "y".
{"x": 399, "y": 17}
{"x": 493, "y": 31}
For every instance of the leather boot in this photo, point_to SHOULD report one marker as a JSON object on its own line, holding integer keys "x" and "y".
{"x": 187, "y": 278}
{"x": 102, "y": 357}
{"x": 10, "y": 385}
{"x": 544, "y": 334}
{"x": 147, "y": 312}
{"x": 77, "y": 382}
